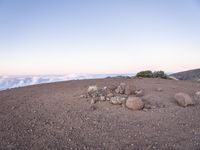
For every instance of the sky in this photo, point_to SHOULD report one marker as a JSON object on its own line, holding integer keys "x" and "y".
{"x": 98, "y": 36}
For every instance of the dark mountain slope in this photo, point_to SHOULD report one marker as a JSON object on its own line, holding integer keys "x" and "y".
{"x": 193, "y": 75}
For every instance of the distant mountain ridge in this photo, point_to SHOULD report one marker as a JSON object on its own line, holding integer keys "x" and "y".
{"x": 192, "y": 75}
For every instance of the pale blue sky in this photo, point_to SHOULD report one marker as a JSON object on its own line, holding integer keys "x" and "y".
{"x": 98, "y": 36}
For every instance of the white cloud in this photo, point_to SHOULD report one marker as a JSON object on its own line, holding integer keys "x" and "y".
{"x": 7, "y": 82}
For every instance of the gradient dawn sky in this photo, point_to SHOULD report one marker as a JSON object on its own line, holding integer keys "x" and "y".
{"x": 98, "y": 36}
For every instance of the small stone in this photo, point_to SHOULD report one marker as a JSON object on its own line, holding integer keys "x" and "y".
{"x": 105, "y": 88}
{"x": 107, "y": 98}
{"x": 134, "y": 103}
{"x": 145, "y": 109}
{"x": 159, "y": 89}
{"x": 110, "y": 95}
{"x": 93, "y": 107}
{"x": 82, "y": 96}
{"x": 147, "y": 106}
{"x": 102, "y": 98}
{"x": 13, "y": 107}
{"x": 153, "y": 107}
{"x": 139, "y": 93}
{"x": 183, "y": 99}
{"x": 93, "y": 101}
{"x": 123, "y": 105}
{"x": 94, "y": 95}
{"x": 161, "y": 105}
{"x": 172, "y": 78}
{"x": 197, "y": 95}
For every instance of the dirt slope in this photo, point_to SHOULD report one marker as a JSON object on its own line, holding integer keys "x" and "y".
{"x": 53, "y": 116}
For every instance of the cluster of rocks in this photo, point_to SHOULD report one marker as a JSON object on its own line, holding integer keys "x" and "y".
{"x": 123, "y": 94}
{"x": 130, "y": 97}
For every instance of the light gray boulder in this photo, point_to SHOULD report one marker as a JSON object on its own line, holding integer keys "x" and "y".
{"x": 183, "y": 99}
{"x": 130, "y": 89}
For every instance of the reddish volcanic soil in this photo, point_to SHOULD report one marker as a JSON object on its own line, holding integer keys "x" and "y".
{"x": 53, "y": 116}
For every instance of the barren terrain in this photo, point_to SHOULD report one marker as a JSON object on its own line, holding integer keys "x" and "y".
{"x": 53, "y": 116}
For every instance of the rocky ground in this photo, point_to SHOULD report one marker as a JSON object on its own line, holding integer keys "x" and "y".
{"x": 68, "y": 115}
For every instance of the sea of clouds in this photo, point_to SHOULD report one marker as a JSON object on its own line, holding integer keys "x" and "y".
{"x": 8, "y": 82}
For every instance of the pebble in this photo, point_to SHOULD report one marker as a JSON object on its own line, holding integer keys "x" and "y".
{"x": 92, "y": 101}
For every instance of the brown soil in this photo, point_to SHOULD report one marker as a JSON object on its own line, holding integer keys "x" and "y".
{"x": 53, "y": 116}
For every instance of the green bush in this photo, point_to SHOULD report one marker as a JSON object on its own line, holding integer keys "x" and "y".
{"x": 150, "y": 74}
{"x": 160, "y": 74}
{"x": 145, "y": 74}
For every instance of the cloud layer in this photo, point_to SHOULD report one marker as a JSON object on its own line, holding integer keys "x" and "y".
{"x": 7, "y": 82}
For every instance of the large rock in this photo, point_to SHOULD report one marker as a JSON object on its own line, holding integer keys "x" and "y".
{"x": 92, "y": 88}
{"x": 130, "y": 89}
{"x": 121, "y": 88}
{"x": 183, "y": 99}
{"x": 117, "y": 100}
{"x": 134, "y": 103}
{"x": 92, "y": 91}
